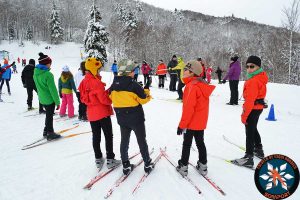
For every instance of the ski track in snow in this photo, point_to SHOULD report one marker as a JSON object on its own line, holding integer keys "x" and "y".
{"x": 60, "y": 169}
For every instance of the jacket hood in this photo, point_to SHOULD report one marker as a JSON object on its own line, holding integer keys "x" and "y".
{"x": 262, "y": 77}
{"x": 122, "y": 83}
{"x": 205, "y": 88}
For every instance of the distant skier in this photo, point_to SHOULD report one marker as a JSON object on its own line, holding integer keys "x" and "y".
{"x": 194, "y": 116}
{"x": 2, "y": 71}
{"x": 233, "y": 75}
{"x": 136, "y": 71}
{"x": 93, "y": 94}
{"x": 146, "y": 71}
{"x": 161, "y": 71}
{"x": 127, "y": 97}
{"x": 47, "y": 92}
{"x": 208, "y": 74}
{"x": 15, "y": 71}
{"x": 219, "y": 72}
{"x": 254, "y": 92}
{"x": 114, "y": 68}
{"x": 173, "y": 74}
{"x": 6, "y": 76}
{"x": 79, "y": 76}
{"x": 28, "y": 83}
{"x": 180, "y": 68}
{"x": 66, "y": 85}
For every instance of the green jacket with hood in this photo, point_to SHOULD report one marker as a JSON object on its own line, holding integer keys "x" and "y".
{"x": 44, "y": 81}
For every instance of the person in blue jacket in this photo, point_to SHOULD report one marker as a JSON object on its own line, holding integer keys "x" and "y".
{"x": 6, "y": 76}
{"x": 114, "y": 68}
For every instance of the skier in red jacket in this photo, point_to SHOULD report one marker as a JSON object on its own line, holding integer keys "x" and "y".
{"x": 99, "y": 109}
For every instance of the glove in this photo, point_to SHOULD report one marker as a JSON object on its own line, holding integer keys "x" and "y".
{"x": 179, "y": 131}
{"x": 224, "y": 81}
{"x": 147, "y": 85}
{"x": 57, "y": 107}
{"x": 24, "y": 85}
{"x": 12, "y": 64}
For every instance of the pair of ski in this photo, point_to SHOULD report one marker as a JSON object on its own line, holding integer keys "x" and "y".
{"x": 43, "y": 140}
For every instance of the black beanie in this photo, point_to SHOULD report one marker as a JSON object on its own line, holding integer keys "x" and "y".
{"x": 32, "y": 62}
{"x": 255, "y": 60}
{"x": 174, "y": 56}
{"x": 234, "y": 58}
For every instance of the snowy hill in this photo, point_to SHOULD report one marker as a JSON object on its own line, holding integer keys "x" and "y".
{"x": 59, "y": 170}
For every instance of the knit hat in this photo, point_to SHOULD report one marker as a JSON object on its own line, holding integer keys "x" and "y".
{"x": 32, "y": 62}
{"x": 234, "y": 58}
{"x": 199, "y": 59}
{"x": 255, "y": 60}
{"x": 194, "y": 66}
{"x": 126, "y": 67}
{"x": 65, "y": 68}
{"x": 44, "y": 59}
{"x": 5, "y": 62}
{"x": 93, "y": 65}
{"x": 174, "y": 56}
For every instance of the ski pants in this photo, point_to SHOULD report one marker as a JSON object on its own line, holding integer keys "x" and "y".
{"x": 140, "y": 133}
{"x": 30, "y": 97}
{"x": 252, "y": 134}
{"x": 106, "y": 126}
{"x": 179, "y": 89}
{"x": 161, "y": 81}
{"x": 7, "y": 84}
{"x": 146, "y": 78}
{"x": 81, "y": 107}
{"x": 67, "y": 101}
{"x": 234, "y": 91}
{"x": 49, "y": 118}
{"x": 187, "y": 143}
{"x": 173, "y": 80}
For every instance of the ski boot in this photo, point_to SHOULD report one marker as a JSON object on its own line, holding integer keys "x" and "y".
{"x": 99, "y": 163}
{"x": 182, "y": 169}
{"x": 52, "y": 136}
{"x": 111, "y": 163}
{"x": 149, "y": 166}
{"x": 246, "y": 161}
{"x": 259, "y": 152}
{"x": 202, "y": 168}
{"x": 127, "y": 167}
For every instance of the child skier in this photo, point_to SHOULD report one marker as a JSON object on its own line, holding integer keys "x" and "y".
{"x": 93, "y": 94}
{"x": 47, "y": 92}
{"x": 254, "y": 92}
{"x": 65, "y": 86}
{"x": 127, "y": 97}
{"x": 194, "y": 116}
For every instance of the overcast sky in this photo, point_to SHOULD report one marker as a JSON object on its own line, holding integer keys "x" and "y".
{"x": 262, "y": 11}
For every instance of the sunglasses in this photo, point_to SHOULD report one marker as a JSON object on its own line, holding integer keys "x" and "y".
{"x": 251, "y": 66}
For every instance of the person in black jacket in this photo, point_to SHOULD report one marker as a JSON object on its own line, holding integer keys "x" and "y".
{"x": 173, "y": 73}
{"x": 28, "y": 83}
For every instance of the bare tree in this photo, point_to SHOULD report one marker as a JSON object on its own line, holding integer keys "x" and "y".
{"x": 291, "y": 23}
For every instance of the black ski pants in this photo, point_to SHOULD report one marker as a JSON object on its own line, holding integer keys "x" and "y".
{"x": 106, "y": 126}
{"x": 179, "y": 89}
{"x": 187, "y": 143}
{"x": 252, "y": 134}
{"x": 81, "y": 107}
{"x": 140, "y": 133}
{"x": 161, "y": 81}
{"x": 7, "y": 84}
{"x": 30, "y": 97}
{"x": 234, "y": 91}
{"x": 173, "y": 81}
{"x": 49, "y": 118}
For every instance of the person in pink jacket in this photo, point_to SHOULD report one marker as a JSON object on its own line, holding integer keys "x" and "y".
{"x": 145, "y": 70}
{"x": 208, "y": 74}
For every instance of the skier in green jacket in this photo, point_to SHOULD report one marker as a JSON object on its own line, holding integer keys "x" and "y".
{"x": 47, "y": 93}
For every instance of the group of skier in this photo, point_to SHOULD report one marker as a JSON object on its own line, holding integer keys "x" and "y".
{"x": 126, "y": 96}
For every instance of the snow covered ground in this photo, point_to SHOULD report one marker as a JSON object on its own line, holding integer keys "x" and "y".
{"x": 60, "y": 169}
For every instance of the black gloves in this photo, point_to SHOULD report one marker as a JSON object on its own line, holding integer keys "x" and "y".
{"x": 179, "y": 131}
{"x": 12, "y": 64}
{"x": 224, "y": 81}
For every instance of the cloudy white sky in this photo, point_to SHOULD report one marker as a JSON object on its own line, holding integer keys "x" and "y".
{"x": 262, "y": 11}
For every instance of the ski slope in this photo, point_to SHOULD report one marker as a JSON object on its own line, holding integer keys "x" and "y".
{"x": 59, "y": 170}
